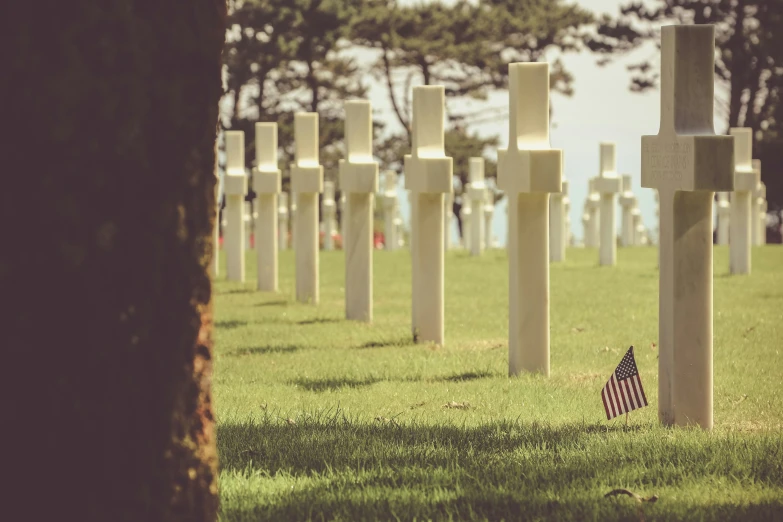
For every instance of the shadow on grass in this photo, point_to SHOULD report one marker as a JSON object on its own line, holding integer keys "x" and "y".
{"x": 466, "y": 376}
{"x": 319, "y": 320}
{"x": 279, "y": 302}
{"x": 236, "y": 291}
{"x": 262, "y": 350}
{"x": 229, "y": 325}
{"x": 402, "y": 341}
{"x": 347, "y": 469}
{"x": 332, "y": 384}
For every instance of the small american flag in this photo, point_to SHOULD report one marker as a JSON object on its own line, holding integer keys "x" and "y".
{"x": 623, "y": 392}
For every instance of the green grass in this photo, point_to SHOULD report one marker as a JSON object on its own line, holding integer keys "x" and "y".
{"x": 321, "y": 418}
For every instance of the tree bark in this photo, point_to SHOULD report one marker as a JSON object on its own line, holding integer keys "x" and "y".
{"x": 108, "y": 212}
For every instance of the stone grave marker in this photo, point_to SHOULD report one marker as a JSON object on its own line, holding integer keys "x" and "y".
{"x": 448, "y": 216}
{"x": 282, "y": 221}
{"x": 359, "y": 181}
{"x": 755, "y": 205}
{"x": 235, "y": 188}
{"x": 390, "y": 209}
{"x": 593, "y": 208}
{"x": 307, "y": 177}
{"x": 329, "y": 211}
{"x": 428, "y": 175}
{"x": 475, "y": 194}
{"x": 266, "y": 184}
{"x": 686, "y": 162}
{"x": 489, "y": 211}
{"x": 627, "y": 202}
{"x": 216, "y": 230}
{"x": 557, "y": 225}
{"x": 724, "y": 211}
{"x": 465, "y": 214}
{"x": 608, "y": 185}
{"x": 740, "y": 220}
{"x": 567, "y": 235}
{"x": 528, "y": 171}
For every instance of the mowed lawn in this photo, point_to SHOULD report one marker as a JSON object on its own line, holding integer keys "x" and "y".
{"x": 325, "y": 419}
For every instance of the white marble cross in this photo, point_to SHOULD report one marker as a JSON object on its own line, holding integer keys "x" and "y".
{"x": 282, "y": 221}
{"x": 475, "y": 194}
{"x": 593, "y": 208}
{"x": 216, "y": 229}
{"x": 307, "y": 181}
{"x": 465, "y": 213}
{"x": 724, "y": 211}
{"x": 328, "y": 213}
{"x": 627, "y": 202}
{"x": 489, "y": 211}
{"x": 745, "y": 181}
{"x": 608, "y": 185}
{"x": 390, "y": 205}
{"x": 448, "y": 216}
{"x": 266, "y": 184}
{"x": 686, "y": 162}
{"x": 638, "y": 226}
{"x": 557, "y": 225}
{"x": 359, "y": 181}
{"x": 755, "y": 205}
{"x": 428, "y": 175}
{"x": 235, "y": 188}
{"x": 528, "y": 171}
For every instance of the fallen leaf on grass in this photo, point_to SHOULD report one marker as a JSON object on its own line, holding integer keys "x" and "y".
{"x": 577, "y": 329}
{"x": 631, "y": 494}
{"x": 457, "y": 405}
{"x": 748, "y": 330}
{"x": 290, "y": 421}
{"x": 417, "y": 405}
{"x": 744, "y": 396}
{"x": 652, "y": 346}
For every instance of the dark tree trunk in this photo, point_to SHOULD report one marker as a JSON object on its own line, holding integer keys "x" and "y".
{"x": 108, "y": 208}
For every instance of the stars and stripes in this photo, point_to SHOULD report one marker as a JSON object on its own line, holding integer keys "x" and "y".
{"x": 623, "y": 392}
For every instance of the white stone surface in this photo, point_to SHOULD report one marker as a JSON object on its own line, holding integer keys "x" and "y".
{"x": 293, "y": 220}
{"x": 359, "y": 181}
{"x": 343, "y": 206}
{"x": 593, "y": 208}
{"x": 390, "y": 210}
{"x": 266, "y": 184}
{"x": 282, "y": 221}
{"x": 235, "y": 188}
{"x": 627, "y": 202}
{"x": 428, "y": 175}
{"x": 755, "y": 205}
{"x": 638, "y": 226}
{"x": 489, "y": 211}
{"x": 686, "y": 162}
{"x": 608, "y": 185}
{"x": 763, "y": 219}
{"x": 328, "y": 213}
{"x": 466, "y": 216}
{"x": 740, "y": 222}
{"x": 448, "y": 219}
{"x": 475, "y": 194}
{"x": 216, "y": 229}
{"x": 528, "y": 171}
{"x": 306, "y": 183}
{"x": 724, "y": 211}
{"x": 557, "y": 228}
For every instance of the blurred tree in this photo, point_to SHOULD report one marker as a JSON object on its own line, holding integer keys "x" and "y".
{"x": 748, "y": 64}
{"x": 107, "y": 410}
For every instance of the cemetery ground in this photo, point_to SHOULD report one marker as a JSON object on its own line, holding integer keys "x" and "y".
{"x": 322, "y": 418}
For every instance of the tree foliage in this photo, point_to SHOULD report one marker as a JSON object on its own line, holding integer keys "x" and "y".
{"x": 748, "y": 64}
